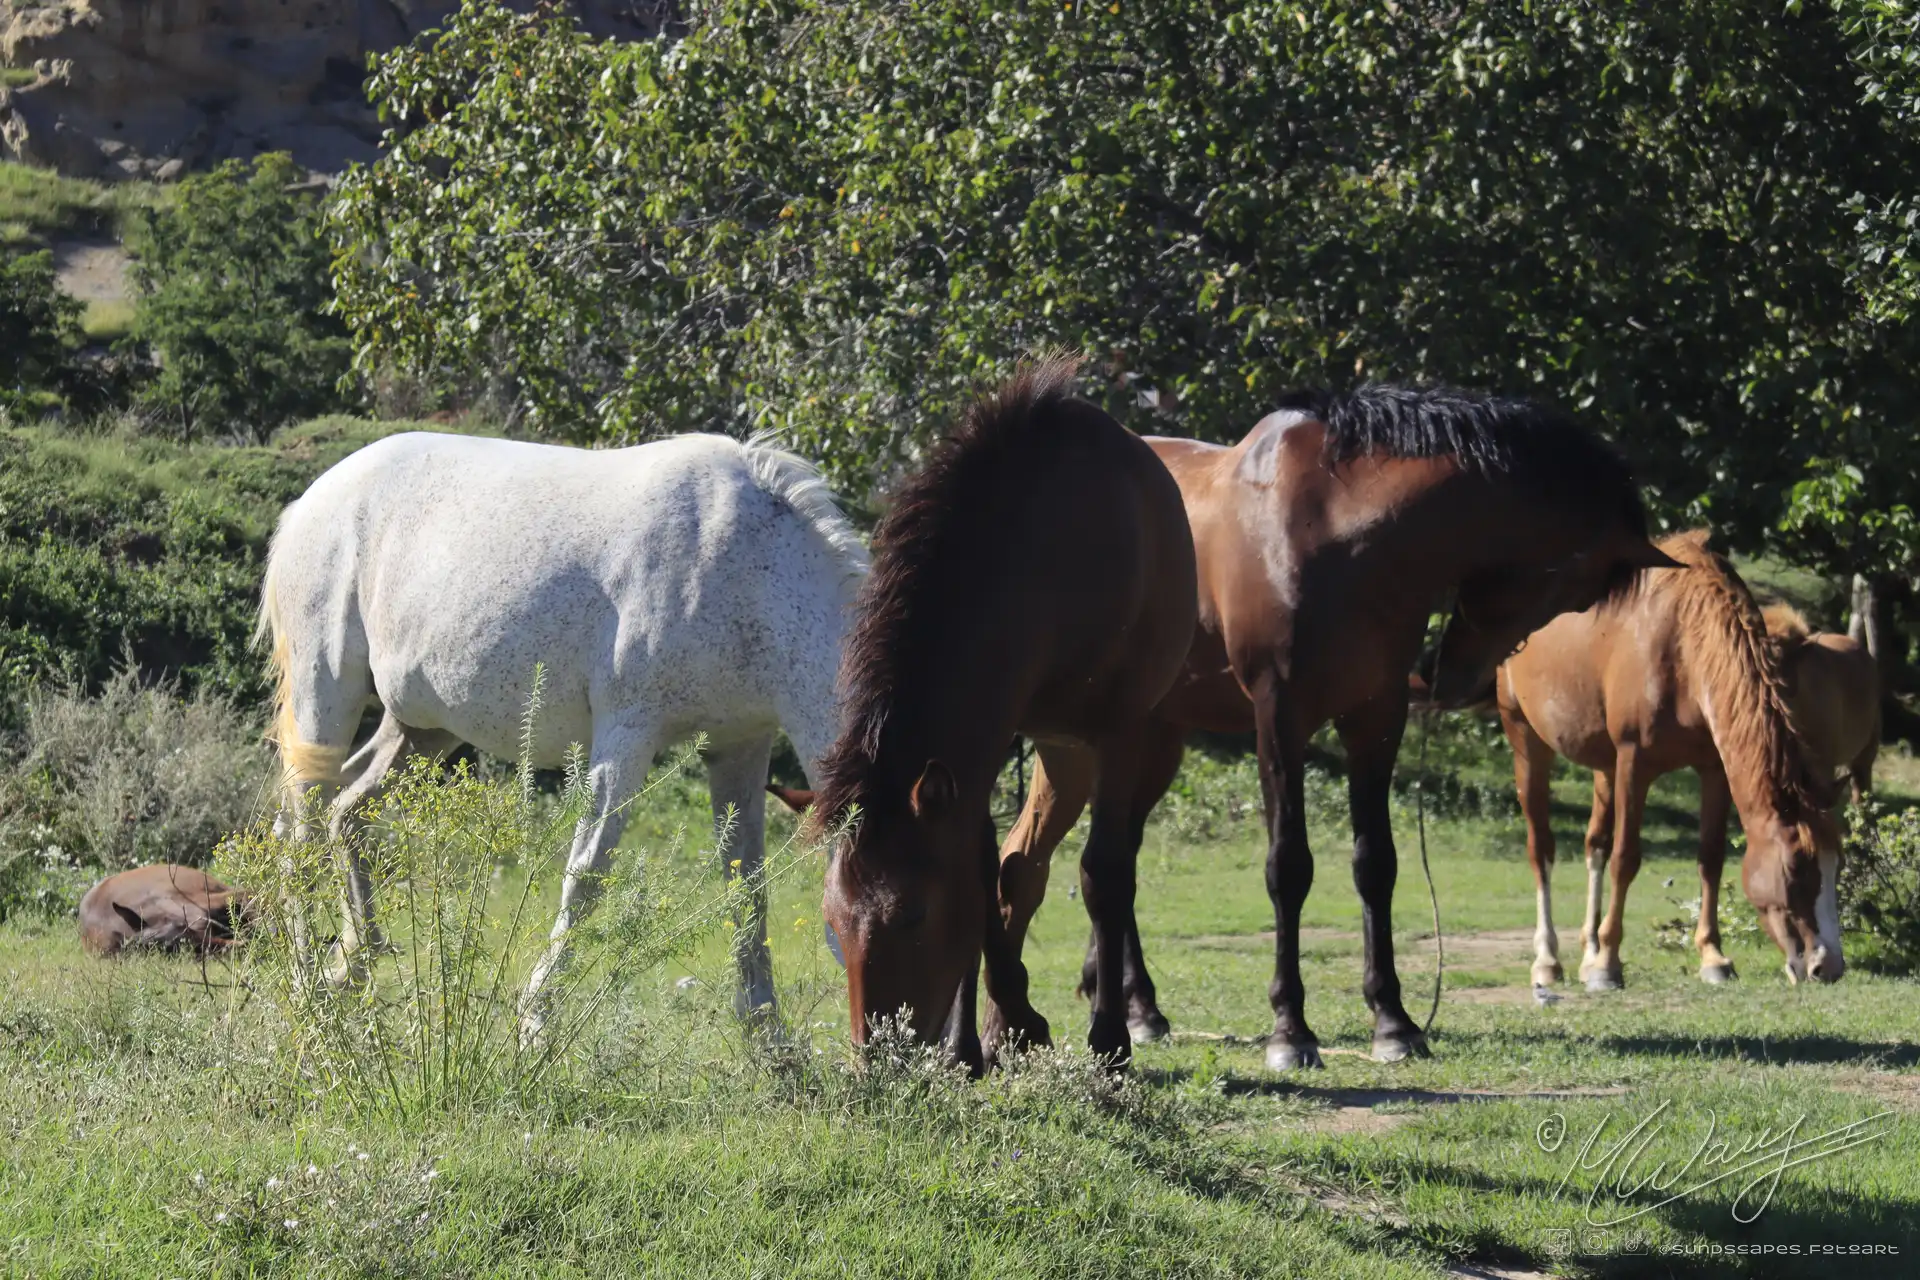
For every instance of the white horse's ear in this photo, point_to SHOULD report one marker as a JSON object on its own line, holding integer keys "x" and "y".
{"x": 935, "y": 793}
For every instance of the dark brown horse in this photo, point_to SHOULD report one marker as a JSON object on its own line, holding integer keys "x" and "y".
{"x": 162, "y": 907}
{"x": 1035, "y": 577}
{"x": 1325, "y": 540}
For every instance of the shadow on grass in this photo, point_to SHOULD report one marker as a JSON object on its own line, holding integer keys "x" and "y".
{"x": 1531, "y": 1232}
{"x": 1773, "y": 1050}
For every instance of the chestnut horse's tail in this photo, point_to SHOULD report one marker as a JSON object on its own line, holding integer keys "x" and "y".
{"x": 1729, "y": 649}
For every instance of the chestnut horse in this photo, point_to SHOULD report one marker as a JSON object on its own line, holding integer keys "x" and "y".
{"x": 162, "y": 907}
{"x": 1035, "y": 577}
{"x": 1325, "y": 540}
{"x": 1679, "y": 673}
{"x": 1833, "y": 686}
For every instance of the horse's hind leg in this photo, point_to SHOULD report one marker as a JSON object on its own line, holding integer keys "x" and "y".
{"x": 1062, "y": 784}
{"x": 1715, "y": 803}
{"x": 736, "y": 780}
{"x": 1533, "y": 778}
{"x": 1599, "y": 847}
{"x": 1630, "y": 784}
{"x": 616, "y": 770}
{"x": 370, "y": 770}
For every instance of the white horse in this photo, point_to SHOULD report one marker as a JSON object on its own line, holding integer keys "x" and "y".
{"x": 690, "y": 584}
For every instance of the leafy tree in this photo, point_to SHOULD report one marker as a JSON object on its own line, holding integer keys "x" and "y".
{"x": 39, "y": 330}
{"x": 832, "y": 216}
{"x": 236, "y": 303}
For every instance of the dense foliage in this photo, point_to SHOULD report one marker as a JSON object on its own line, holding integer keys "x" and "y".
{"x": 831, "y": 216}
{"x": 39, "y": 329}
{"x": 144, "y": 553}
{"x": 234, "y": 306}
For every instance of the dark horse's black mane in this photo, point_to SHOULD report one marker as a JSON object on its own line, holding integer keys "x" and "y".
{"x": 907, "y": 547}
{"x": 1490, "y": 435}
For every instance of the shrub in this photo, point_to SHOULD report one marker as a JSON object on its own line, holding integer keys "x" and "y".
{"x": 235, "y": 282}
{"x": 39, "y": 331}
{"x": 142, "y": 547}
{"x": 1880, "y": 889}
{"x": 458, "y": 867}
{"x": 133, "y": 776}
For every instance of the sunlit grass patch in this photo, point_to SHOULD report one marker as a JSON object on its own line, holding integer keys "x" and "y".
{"x": 108, "y": 319}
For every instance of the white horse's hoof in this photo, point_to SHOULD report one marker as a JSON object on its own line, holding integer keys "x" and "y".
{"x": 1717, "y": 974}
{"x": 1292, "y": 1057}
{"x": 1602, "y": 980}
{"x": 1547, "y": 973}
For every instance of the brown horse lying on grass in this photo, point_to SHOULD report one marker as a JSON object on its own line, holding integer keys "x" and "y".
{"x": 1678, "y": 673}
{"x": 1035, "y": 577}
{"x": 161, "y": 907}
{"x": 1833, "y": 686}
{"x": 1325, "y": 540}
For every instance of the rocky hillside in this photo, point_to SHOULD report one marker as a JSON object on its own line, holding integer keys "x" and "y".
{"x": 148, "y": 88}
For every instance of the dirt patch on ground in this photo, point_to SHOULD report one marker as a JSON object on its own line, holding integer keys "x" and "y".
{"x": 92, "y": 270}
{"x": 1895, "y": 1089}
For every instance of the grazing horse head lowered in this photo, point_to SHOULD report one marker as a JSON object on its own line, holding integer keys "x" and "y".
{"x": 1036, "y": 576}
{"x": 161, "y": 908}
{"x": 1681, "y": 672}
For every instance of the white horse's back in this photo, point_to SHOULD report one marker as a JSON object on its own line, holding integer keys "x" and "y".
{"x": 695, "y": 575}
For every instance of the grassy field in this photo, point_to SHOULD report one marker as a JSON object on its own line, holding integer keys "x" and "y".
{"x": 153, "y": 1122}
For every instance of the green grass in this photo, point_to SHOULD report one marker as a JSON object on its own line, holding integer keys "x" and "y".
{"x": 127, "y": 1083}
{"x": 39, "y": 206}
{"x": 108, "y": 320}
{"x": 15, "y": 77}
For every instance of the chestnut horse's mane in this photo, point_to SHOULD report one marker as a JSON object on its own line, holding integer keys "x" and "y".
{"x": 1730, "y": 649}
{"x": 1488, "y": 435}
{"x": 907, "y": 546}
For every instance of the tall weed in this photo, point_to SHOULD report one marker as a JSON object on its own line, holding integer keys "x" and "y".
{"x": 462, "y": 870}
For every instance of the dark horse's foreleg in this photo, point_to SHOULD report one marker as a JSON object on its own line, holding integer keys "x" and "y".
{"x": 1371, "y": 735}
{"x": 1289, "y": 870}
{"x": 1715, "y": 802}
{"x": 1159, "y": 765}
{"x": 1062, "y": 784}
{"x": 1107, "y": 885}
{"x": 959, "y": 1039}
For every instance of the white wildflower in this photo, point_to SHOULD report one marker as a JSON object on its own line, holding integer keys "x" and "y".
{"x": 272, "y": 1183}
{"x": 292, "y": 1223}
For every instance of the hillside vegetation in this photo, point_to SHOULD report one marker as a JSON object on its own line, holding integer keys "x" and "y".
{"x": 145, "y": 552}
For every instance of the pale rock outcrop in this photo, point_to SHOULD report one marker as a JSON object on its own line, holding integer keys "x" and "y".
{"x": 150, "y": 88}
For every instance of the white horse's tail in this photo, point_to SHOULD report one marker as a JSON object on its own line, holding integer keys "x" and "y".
{"x": 794, "y": 481}
{"x": 299, "y": 761}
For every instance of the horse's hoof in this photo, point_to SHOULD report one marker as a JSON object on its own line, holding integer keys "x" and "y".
{"x": 1286, "y": 1056}
{"x": 1548, "y": 973}
{"x": 1717, "y": 974}
{"x": 1401, "y": 1046}
{"x": 1601, "y": 980}
{"x": 1110, "y": 1042}
{"x": 1149, "y": 1029}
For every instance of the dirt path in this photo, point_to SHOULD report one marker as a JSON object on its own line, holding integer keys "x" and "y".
{"x": 92, "y": 270}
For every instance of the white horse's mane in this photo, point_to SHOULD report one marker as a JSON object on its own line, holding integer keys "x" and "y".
{"x": 794, "y": 480}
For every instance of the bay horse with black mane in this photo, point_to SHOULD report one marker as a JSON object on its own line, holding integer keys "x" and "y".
{"x": 1325, "y": 540}
{"x": 1035, "y": 577}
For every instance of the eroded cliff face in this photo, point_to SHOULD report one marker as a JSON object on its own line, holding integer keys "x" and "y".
{"x": 149, "y": 88}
